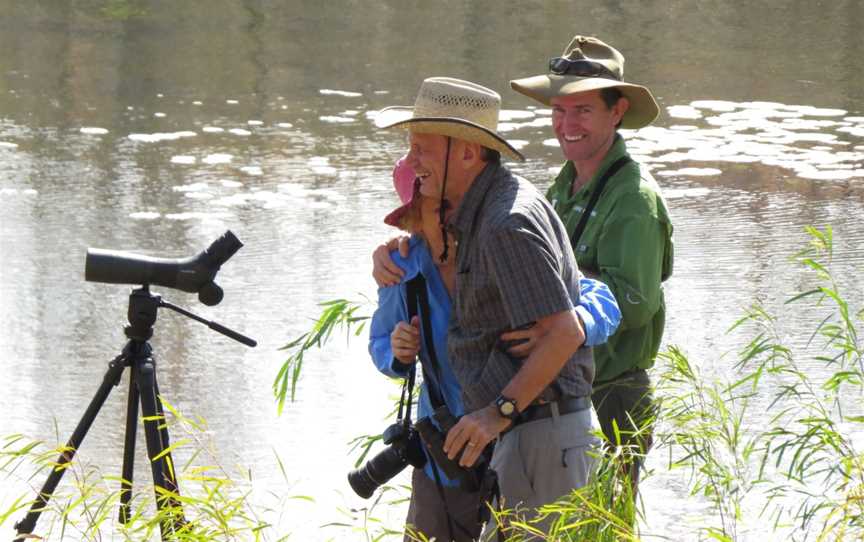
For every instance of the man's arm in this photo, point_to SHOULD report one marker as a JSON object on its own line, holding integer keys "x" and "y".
{"x": 598, "y": 311}
{"x": 561, "y": 335}
{"x": 629, "y": 257}
{"x": 388, "y": 316}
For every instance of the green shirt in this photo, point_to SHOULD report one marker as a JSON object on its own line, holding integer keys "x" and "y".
{"x": 627, "y": 244}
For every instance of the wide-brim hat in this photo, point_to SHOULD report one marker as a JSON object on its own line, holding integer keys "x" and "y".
{"x": 589, "y": 64}
{"x": 407, "y": 187}
{"x": 454, "y": 108}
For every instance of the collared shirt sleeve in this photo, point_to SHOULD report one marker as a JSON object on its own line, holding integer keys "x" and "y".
{"x": 629, "y": 255}
{"x": 527, "y": 271}
{"x": 391, "y": 310}
{"x": 598, "y": 311}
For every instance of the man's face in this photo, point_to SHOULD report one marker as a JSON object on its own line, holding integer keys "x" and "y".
{"x": 584, "y": 125}
{"x": 427, "y": 157}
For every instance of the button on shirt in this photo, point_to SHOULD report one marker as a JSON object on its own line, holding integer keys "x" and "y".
{"x": 514, "y": 266}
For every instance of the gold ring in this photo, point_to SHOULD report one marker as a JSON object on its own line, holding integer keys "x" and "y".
{"x": 471, "y": 444}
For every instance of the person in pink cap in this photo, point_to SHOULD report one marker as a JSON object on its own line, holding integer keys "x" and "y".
{"x": 439, "y": 507}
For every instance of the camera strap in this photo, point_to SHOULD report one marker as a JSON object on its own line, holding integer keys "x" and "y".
{"x": 595, "y": 196}
{"x": 418, "y": 295}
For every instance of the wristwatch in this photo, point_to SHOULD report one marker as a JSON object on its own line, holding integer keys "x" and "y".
{"x": 507, "y": 408}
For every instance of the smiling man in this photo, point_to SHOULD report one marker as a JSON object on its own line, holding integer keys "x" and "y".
{"x": 515, "y": 268}
{"x": 617, "y": 221}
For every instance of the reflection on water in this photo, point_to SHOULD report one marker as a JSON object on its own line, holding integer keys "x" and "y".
{"x": 145, "y": 129}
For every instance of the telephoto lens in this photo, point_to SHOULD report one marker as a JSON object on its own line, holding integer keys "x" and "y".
{"x": 404, "y": 448}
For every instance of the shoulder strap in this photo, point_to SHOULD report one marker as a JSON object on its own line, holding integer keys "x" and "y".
{"x": 418, "y": 295}
{"x": 595, "y": 195}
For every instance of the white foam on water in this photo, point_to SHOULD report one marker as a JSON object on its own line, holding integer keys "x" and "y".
{"x": 336, "y": 120}
{"x": 547, "y": 112}
{"x": 254, "y": 122}
{"x": 714, "y": 105}
{"x": 518, "y": 144}
{"x": 553, "y": 142}
{"x": 228, "y": 183}
{"x": 683, "y": 127}
{"x": 857, "y": 131}
{"x": 285, "y": 125}
{"x": 145, "y": 215}
{"x": 382, "y": 92}
{"x": 515, "y": 114}
{"x": 808, "y": 124}
{"x": 160, "y": 95}
{"x": 183, "y": 159}
{"x": 12, "y": 191}
{"x": 93, "y": 130}
{"x": 191, "y": 216}
{"x": 690, "y": 172}
{"x": 197, "y": 102}
{"x": 343, "y": 93}
{"x": 194, "y": 187}
{"x": 684, "y": 112}
{"x": 673, "y": 193}
{"x": 240, "y": 132}
{"x": 199, "y": 195}
{"x": 159, "y": 114}
{"x": 217, "y": 158}
{"x": 828, "y": 175}
{"x": 8, "y": 145}
{"x": 324, "y": 170}
{"x": 349, "y": 113}
{"x": 252, "y": 170}
{"x": 212, "y": 129}
{"x": 819, "y": 111}
{"x": 854, "y": 119}
{"x": 232, "y": 102}
{"x": 153, "y": 138}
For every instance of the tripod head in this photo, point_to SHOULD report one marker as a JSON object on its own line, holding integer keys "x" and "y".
{"x": 194, "y": 274}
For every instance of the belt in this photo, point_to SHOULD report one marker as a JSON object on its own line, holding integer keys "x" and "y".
{"x": 565, "y": 406}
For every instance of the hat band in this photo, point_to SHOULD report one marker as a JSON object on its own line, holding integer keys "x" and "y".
{"x": 581, "y": 68}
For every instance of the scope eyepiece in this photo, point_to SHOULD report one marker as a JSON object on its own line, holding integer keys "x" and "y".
{"x": 195, "y": 274}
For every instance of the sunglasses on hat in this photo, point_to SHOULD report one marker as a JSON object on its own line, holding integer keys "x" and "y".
{"x": 580, "y": 67}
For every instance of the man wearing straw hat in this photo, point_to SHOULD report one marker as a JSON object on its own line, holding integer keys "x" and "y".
{"x": 617, "y": 220}
{"x": 515, "y": 268}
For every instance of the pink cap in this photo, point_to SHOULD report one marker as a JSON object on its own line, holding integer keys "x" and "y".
{"x": 405, "y": 183}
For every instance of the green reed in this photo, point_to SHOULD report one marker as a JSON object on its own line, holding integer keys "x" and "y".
{"x": 778, "y": 442}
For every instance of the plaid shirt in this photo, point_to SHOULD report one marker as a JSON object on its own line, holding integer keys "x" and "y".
{"x": 514, "y": 266}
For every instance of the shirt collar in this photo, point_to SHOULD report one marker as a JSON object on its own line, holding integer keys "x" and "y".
{"x": 464, "y": 217}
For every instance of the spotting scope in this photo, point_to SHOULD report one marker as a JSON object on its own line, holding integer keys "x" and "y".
{"x": 194, "y": 274}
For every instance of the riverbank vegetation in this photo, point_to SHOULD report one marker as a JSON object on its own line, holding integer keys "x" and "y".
{"x": 769, "y": 439}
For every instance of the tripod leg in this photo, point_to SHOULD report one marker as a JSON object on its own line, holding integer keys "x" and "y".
{"x": 169, "y": 473}
{"x": 155, "y": 446}
{"x": 111, "y": 379}
{"x": 129, "y": 448}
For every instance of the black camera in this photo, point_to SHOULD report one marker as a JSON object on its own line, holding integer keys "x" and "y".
{"x": 471, "y": 478}
{"x": 403, "y": 449}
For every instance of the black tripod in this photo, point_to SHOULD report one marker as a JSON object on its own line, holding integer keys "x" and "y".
{"x": 143, "y": 388}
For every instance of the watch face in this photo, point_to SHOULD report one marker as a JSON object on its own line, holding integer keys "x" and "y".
{"x": 506, "y": 408}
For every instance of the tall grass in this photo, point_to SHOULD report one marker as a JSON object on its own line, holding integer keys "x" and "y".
{"x": 779, "y": 442}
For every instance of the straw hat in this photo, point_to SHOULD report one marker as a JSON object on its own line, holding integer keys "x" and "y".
{"x": 589, "y": 64}
{"x": 455, "y": 108}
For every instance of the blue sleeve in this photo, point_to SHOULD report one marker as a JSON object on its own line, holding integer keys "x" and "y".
{"x": 598, "y": 310}
{"x": 391, "y": 310}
